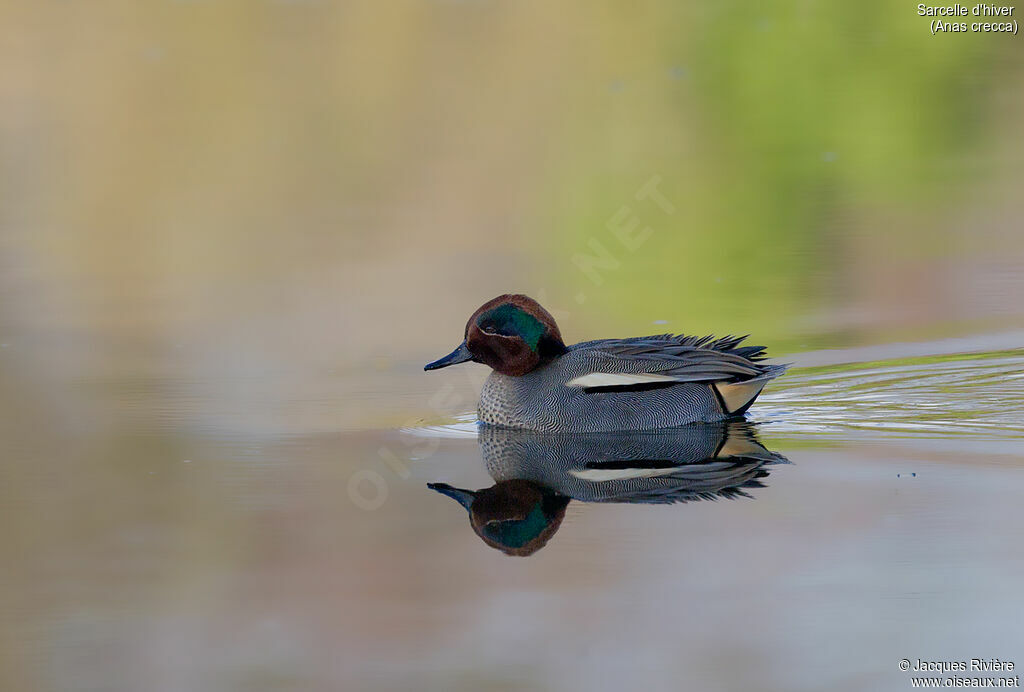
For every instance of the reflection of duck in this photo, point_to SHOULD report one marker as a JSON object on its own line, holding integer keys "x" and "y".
{"x": 538, "y": 474}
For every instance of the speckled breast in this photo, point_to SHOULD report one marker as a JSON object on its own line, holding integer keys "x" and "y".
{"x": 500, "y": 401}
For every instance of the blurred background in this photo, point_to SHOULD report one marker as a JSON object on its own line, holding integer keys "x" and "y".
{"x": 231, "y": 233}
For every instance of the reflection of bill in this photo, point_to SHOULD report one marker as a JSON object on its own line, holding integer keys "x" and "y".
{"x": 537, "y": 475}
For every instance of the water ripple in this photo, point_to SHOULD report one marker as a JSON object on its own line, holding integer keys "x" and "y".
{"x": 936, "y": 396}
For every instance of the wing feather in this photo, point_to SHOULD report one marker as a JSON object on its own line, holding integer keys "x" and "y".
{"x": 666, "y": 358}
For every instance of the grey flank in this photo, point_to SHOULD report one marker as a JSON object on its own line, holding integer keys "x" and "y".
{"x": 541, "y": 399}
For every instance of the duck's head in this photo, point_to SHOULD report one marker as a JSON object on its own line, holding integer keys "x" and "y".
{"x": 511, "y": 333}
{"x": 517, "y": 517}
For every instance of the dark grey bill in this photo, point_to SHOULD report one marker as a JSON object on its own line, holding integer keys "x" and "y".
{"x": 459, "y": 355}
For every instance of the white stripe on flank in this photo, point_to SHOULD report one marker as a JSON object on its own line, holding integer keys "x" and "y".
{"x": 609, "y": 379}
{"x": 605, "y": 475}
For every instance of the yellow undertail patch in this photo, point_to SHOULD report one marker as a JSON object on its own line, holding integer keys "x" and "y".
{"x": 741, "y": 445}
{"x": 736, "y": 395}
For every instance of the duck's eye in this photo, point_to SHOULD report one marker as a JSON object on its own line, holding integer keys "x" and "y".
{"x": 488, "y": 329}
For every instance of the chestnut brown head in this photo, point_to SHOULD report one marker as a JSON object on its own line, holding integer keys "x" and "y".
{"x": 511, "y": 333}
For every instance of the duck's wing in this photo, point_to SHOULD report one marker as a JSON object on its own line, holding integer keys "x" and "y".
{"x": 735, "y": 372}
{"x": 705, "y": 481}
{"x": 662, "y": 342}
{"x": 669, "y": 358}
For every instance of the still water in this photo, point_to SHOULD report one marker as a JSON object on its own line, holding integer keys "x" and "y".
{"x": 866, "y": 512}
{"x": 232, "y": 233}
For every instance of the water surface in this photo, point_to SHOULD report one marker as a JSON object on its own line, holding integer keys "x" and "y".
{"x": 222, "y": 559}
{"x": 232, "y": 233}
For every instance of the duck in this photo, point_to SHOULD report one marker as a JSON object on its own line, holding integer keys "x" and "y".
{"x": 536, "y": 475}
{"x": 605, "y": 385}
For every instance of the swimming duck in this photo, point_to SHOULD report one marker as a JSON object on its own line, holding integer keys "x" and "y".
{"x": 607, "y": 385}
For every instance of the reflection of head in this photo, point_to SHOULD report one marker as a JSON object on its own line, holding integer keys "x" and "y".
{"x": 517, "y": 517}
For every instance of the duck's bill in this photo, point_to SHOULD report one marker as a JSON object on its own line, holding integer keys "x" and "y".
{"x": 459, "y": 355}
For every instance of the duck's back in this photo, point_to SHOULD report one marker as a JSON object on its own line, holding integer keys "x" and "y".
{"x": 643, "y": 383}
